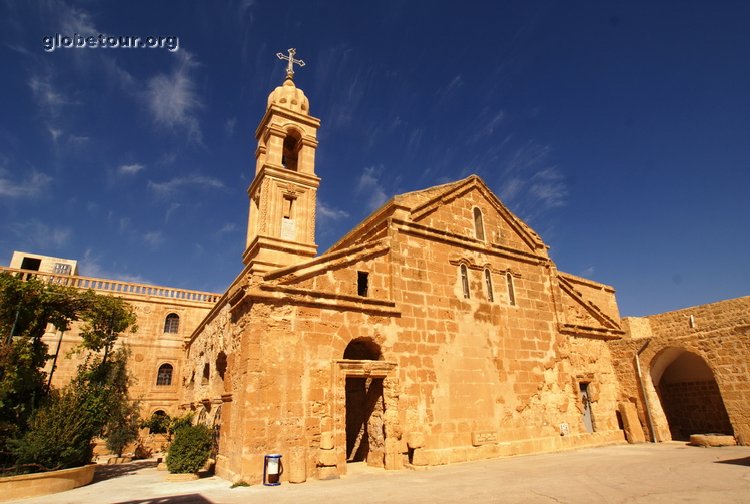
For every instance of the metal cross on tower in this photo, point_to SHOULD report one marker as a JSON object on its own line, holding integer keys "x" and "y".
{"x": 290, "y": 66}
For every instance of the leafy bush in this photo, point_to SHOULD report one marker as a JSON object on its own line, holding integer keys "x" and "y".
{"x": 122, "y": 427}
{"x": 157, "y": 423}
{"x": 178, "y": 422}
{"x": 59, "y": 436}
{"x": 190, "y": 449}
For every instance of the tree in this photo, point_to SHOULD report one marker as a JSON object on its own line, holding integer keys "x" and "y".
{"x": 26, "y": 309}
{"x": 105, "y": 317}
{"x": 95, "y": 403}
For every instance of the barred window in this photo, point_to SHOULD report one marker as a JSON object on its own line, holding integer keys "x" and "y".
{"x": 172, "y": 323}
{"x": 164, "y": 376}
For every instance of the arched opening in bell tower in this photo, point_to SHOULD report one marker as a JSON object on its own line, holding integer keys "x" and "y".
{"x": 290, "y": 152}
{"x": 689, "y": 395}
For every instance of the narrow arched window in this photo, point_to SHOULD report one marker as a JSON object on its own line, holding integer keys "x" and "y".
{"x": 290, "y": 150}
{"x": 465, "y": 281}
{"x": 172, "y": 323}
{"x": 206, "y": 374}
{"x": 511, "y": 290}
{"x": 164, "y": 376}
{"x": 478, "y": 224}
{"x": 488, "y": 281}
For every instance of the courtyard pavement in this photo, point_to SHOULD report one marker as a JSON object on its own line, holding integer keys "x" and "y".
{"x": 647, "y": 473}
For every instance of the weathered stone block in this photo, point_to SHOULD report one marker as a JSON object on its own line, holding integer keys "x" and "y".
{"x": 415, "y": 440}
{"x": 297, "y": 465}
{"x": 633, "y": 429}
{"x": 327, "y": 458}
{"x": 328, "y": 473}
{"x": 326, "y": 440}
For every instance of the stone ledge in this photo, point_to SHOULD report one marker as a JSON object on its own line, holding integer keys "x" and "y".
{"x": 712, "y": 440}
{"x": 31, "y": 485}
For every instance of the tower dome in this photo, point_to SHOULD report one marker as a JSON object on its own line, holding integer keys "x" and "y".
{"x": 289, "y": 97}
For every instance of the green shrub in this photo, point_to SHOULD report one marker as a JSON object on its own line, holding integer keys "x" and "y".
{"x": 122, "y": 427}
{"x": 157, "y": 423}
{"x": 59, "y": 436}
{"x": 190, "y": 449}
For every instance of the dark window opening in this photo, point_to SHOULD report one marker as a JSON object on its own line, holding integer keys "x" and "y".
{"x": 164, "y": 376}
{"x": 206, "y": 374}
{"x": 288, "y": 205}
{"x": 172, "y": 323}
{"x": 465, "y": 281}
{"x": 511, "y": 290}
{"x": 362, "y": 280}
{"x": 29, "y": 263}
{"x": 292, "y": 145}
{"x": 488, "y": 281}
{"x": 478, "y": 224}
{"x": 362, "y": 349}
{"x": 221, "y": 364}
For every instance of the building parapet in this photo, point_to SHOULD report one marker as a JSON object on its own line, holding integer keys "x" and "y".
{"x": 117, "y": 287}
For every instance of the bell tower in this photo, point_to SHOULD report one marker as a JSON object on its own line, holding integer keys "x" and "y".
{"x": 281, "y": 224}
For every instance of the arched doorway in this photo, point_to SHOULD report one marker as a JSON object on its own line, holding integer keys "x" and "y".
{"x": 365, "y": 407}
{"x": 689, "y": 394}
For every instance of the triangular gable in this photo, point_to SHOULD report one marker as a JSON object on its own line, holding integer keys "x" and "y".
{"x": 583, "y": 317}
{"x": 417, "y": 205}
{"x": 448, "y": 193}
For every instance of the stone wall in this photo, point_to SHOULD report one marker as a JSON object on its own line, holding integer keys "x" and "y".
{"x": 150, "y": 346}
{"x": 463, "y": 378}
{"x": 694, "y": 407}
{"x": 719, "y": 333}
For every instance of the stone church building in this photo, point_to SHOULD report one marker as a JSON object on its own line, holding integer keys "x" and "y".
{"x": 436, "y": 331}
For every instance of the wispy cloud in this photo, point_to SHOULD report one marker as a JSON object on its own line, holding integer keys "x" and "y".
{"x": 46, "y": 95}
{"x": 153, "y": 238}
{"x": 40, "y": 236}
{"x": 549, "y": 188}
{"x": 172, "y": 98}
{"x": 33, "y": 185}
{"x": 229, "y": 126}
{"x": 90, "y": 266}
{"x": 227, "y": 228}
{"x": 531, "y": 183}
{"x": 171, "y": 187}
{"x": 588, "y": 272}
{"x": 327, "y": 213}
{"x": 130, "y": 169}
{"x": 371, "y": 188}
{"x": 170, "y": 211}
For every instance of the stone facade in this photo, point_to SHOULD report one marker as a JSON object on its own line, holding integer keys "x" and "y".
{"x": 694, "y": 370}
{"x": 155, "y": 345}
{"x": 436, "y": 331}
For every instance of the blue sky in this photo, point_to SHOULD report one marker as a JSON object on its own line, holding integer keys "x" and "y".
{"x": 620, "y": 131}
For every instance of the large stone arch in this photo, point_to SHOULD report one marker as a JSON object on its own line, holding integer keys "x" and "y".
{"x": 685, "y": 395}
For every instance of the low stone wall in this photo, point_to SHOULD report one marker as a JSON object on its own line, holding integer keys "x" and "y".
{"x": 430, "y": 457}
{"x": 31, "y": 485}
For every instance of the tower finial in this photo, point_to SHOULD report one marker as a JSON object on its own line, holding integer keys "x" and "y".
{"x": 291, "y": 61}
